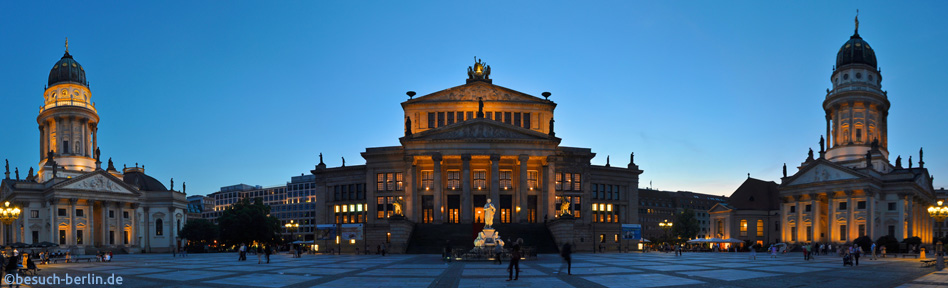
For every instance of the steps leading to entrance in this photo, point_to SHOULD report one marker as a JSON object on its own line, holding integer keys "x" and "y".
{"x": 431, "y": 238}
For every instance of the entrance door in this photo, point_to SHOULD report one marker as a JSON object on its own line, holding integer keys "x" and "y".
{"x": 479, "y": 202}
{"x": 506, "y": 203}
{"x": 454, "y": 208}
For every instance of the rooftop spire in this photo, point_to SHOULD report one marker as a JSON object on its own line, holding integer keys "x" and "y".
{"x": 67, "y": 44}
{"x": 857, "y": 21}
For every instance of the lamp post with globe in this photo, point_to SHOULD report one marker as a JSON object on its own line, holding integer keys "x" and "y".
{"x": 665, "y": 226}
{"x": 939, "y": 213}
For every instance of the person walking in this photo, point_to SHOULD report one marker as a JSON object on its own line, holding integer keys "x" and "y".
{"x": 873, "y": 251}
{"x": 267, "y": 251}
{"x": 498, "y": 252}
{"x": 383, "y": 249}
{"x": 856, "y": 251}
{"x": 514, "y": 267}
{"x": 806, "y": 252}
{"x": 753, "y": 252}
{"x": 773, "y": 251}
{"x": 567, "y": 253}
{"x": 259, "y": 252}
{"x": 241, "y": 252}
{"x": 882, "y": 251}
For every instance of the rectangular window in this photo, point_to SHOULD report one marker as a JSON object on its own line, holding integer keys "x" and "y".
{"x": 379, "y": 182}
{"x": 111, "y": 237}
{"x": 809, "y": 233}
{"x": 351, "y": 189}
{"x": 65, "y": 147}
{"x": 595, "y": 191}
{"x": 36, "y": 236}
{"x": 125, "y": 237}
{"x": 526, "y": 120}
{"x": 760, "y": 228}
{"x": 808, "y": 208}
{"x": 454, "y": 179}
{"x": 505, "y": 179}
{"x": 516, "y": 120}
{"x": 743, "y": 228}
{"x": 618, "y": 192}
{"x": 470, "y": 115}
{"x": 431, "y": 120}
{"x": 389, "y": 181}
{"x": 111, "y": 213}
{"x": 559, "y": 181}
{"x": 480, "y": 179}
{"x": 793, "y": 209}
{"x": 80, "y": 213}
{"x": 34, "y": 213}
{"x": 576, "y": 182}
{"x": 460, "y": 117}
{"x": 125, "y": 214}
{"x": 861, "y": 205}
{"x": 609, "y": 192}
{"x": 892, "y": 230}
{"x": 842, "y": 206}
{"x": 440, "y": 119}
{"x": 507, "y": 118}
{"x": 842, "y": 232}
{"x": 450, "y": 118}
{"x": 862, "y": 229}
{"x": 891, "y": 206}
{"x": 793, "y": 233}
{"x": 62, "y": 237}
{"x": 79, "y": 237}
{"x": 532, "y": 179}
{"x": 427, "y": 179}
{"x": 489, "y": 115}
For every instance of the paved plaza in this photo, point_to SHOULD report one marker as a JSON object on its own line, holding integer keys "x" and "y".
{"x": 589, "y": 270}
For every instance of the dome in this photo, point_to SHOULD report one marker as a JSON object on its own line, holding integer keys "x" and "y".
{"x": 143, "y": 182}
{"x": 856, "y": 51}
{"x": 67, "y": 70}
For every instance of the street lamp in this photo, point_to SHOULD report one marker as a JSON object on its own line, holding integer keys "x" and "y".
{"x": 291, "y": 228}
{"x": 939, "y": 213}
{"x": 9, "y": 214}
{"x": 665, "y": 226}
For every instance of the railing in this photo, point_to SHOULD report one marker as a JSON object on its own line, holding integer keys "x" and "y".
{"x": 71, "y": 103}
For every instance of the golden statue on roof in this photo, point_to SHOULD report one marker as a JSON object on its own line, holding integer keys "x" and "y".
{"x": 480, "y": 70}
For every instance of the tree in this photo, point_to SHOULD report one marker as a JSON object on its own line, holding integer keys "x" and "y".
{"x": 200, "y": 230}
{"x": 246, "y": 222}
{"x": 865, "y": 243}
{"x": 890, "y": 243}
{"x": 686, "y": 224}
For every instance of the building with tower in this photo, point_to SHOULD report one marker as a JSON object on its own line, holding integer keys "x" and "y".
{"x": 465, "y": 145}
{"x": 73, "y": 201}
{"x": 850, "y": 189}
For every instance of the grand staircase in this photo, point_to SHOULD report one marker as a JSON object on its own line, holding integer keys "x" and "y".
{"x": 431, "y": 238}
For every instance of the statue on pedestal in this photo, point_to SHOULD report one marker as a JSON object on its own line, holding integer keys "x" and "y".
{"x": 564, "y": 208}
{"x": 398, "y": 207}
{"x": 489, "y": 214}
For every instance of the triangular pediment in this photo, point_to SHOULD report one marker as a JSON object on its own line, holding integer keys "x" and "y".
{"x": 823, "y": 171}
{"x": 475, "y": 90}
{"x": 719, "y": 207}
{"x": 480, "y": 129}
{"x": 98, "y": 181}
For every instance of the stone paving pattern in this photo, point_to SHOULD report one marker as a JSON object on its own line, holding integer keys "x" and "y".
{"x": 589, "y": 270}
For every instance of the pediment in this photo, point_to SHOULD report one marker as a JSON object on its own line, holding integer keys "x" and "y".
{"x": 718, "y": 207}
{"x": 823, "y": 172}
{"x": 97, "y": 182}
{"x": 477, "y": 89}
{"x": 480, "y": 129}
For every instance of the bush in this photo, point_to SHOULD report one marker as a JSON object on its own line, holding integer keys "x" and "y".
{"x": 891, "y": 245}
{"x": 865, "y": 243}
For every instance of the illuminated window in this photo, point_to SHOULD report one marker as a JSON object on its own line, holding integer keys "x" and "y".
{"x": 480, "y": 179}
{"x": 389, "y": 181}
{"x": 743, "y": 227}
{"x": 505, "y": 179}
{"x": 454, "y": 179}
{"x": 576, "y": 182}
{"x": 427, "y": 179}
{"x": 559, "y": 181}
{"x": 532, "y": 182}
{"x": 760, "y": 228}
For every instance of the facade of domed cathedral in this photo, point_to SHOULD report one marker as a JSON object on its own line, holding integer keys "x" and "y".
{"x": 850, "y": 188}
{"x": 74, "y": 202}
{"x": 466, "y": 145}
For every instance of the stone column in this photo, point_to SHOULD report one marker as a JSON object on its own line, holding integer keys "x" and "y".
{"x": 870, "y": 214}
{"x": 801, "y": 229}
{"x": 850, "y": 210}
{"x": 146, "y": 232}
{"x": 135, "y": 224}
{"x": 105, "y": 223}
{"x": 831, "y": 215}
{"x": 90, "y": 223}
{"x": 523, "y": 190}
{"x": 174, "y": 229}
{"x": 120, "y": 230}
{"x": 900, "y": 209}
{"x": 95, "y": 139}
{"x": 815, "y": 216}
{"x": 53, "y": 224}
{"x": 466, "y": 205}
{"x": 852, "y": 127}
{"x": 72, "y": 221}
{"x": 829, "y": 140}
{"x": 436, "y": 190}
{"x": 783, "y": 222}
{"x": 911, "y": 223}
{"x": 495, "y": 183}
{"x": 547, "y": 191}
{"x": 410, "y": 191}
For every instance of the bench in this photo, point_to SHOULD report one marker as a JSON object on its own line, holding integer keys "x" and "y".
{"x": 73, "y": 259}
{"x": 928, "y": 263}
{"x": 909, "y": 255}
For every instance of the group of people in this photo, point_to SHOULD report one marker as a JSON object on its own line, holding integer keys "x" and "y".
{"x": 260, "y": 250}
{"x": 16, "y": 261}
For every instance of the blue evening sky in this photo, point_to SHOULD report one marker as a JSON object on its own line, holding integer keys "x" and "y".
{"x": 215, "y": 93}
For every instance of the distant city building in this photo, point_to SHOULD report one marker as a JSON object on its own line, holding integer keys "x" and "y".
{"x": 851, "y": 189}
{"x": 292, "y": 204}
{"x": 751, "y": 213}
{"x": 657, "y": 206}
{"x": 72, "y": 201}
{"x": 198, "y": 205}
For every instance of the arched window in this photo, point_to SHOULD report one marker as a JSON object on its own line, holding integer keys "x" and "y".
{"x": 159, "y": 227}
